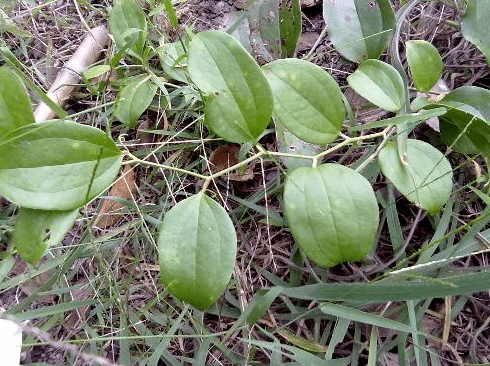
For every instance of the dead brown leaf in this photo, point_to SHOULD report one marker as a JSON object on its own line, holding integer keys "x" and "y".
{"x": 76, "y": 318}
{"x": 125, "y": 187}
{"x": 142, "y": 135}
{"x": 226, "y": 156}
{"x": 20, "y": 267}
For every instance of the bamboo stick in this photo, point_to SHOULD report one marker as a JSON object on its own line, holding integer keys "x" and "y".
{"x": 69, "y": 75}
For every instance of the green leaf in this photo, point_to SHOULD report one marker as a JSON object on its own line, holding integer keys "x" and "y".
{"x": 127, "y": 23}
{"x": 389, "y": 290}
{"x": 346, "y": 312}
{"x": 456, "y": 138}
{"x": 18, "y": 68}
{"x": 8, "y": 25}
{"x": 289, "y": 26}
{"x": 265, "y": 32}
{"x": 174, "y": 61}
{"x": 338, "y": 335}
{"x": 412, "y": 118}
{"x": 425, "y": 64}
{"x": 15, "y": 105}
{"x": 172, "y": 17}
{"x": 466, "y": 125}
{"x": 426, "y": 178}
{"x": 332, "y": 213}
{"x": 196, "y": 246}
{"x": 290, "y": 144}
{"x": 474, "y": 25}
{"x": 307, "y": 100}
{"x": 260, "y": 303}
{"x": 56, "y": 165}
{"x": 57, "y": 309}
{"x": 36, "y": 230}
{"x": 240, "y": 28}
{"x": 379, "y": 83}
{"x": 134, "y": 98}
{"x": 239, "y": 103}
{"x": 274, "y": 27}
{"x": 359, "y": 29}
{"x": 96, "y": 71}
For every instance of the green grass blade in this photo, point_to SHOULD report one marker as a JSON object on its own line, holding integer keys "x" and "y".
{"x": 364, "y": 317}
{"x": 54, "y": 309}
{"x": 298, "y": 355}
{"x": 17, "y": 66}
{"x": 373, "y": 345}
{"x": 124, "y": 343}
{"x": 404, "y": 118}
{"x": 155, "y": 357}
{"x": 392, "y": 290}
{"x": 172, "y": 17}
{"x": 341, "y": 327}
{"x": 418, "y": 339}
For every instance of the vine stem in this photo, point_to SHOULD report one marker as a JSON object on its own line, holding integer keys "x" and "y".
{"x": 262, "y": 151}
{"x": 402, "y": 137}
{"x": 365, "y": 163}
{"x": 207, "y": 178}
{"x": 348, "y": 141}
{"x": 135, "y": 159}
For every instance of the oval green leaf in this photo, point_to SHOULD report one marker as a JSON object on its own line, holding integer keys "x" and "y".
{"x": 359, "y": 29}
{"x": 474, "y": 25}
{"x": 15, "y": 105}
{"x": 307, "y": 100}
{"x": 197, "y": 249}
{"x": 454, "y": 137}
{"x": 425, "y": 64}
{"x": 466, "y": 124}
{"x": 332, "y": 213}
{"x": 265, "y": 33}
{"x": 425, "y": 180}
{"x": 57, "y": 165}
{"x": 379, "y": 83}
{"x": 173, "y": 59}
{"x": 289, "y": 26}
{"x": 290, "y": 144}
{"x": 239, "y": 103}
{"x": 135, "y": 97}
{"x": 274, "y": 28}
{"x": 36, "y": 230}
{"x": 127, "y": 24}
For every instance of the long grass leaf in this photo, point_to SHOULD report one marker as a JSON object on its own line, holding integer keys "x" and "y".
{"x": 337, "y": 336}
{"x": 298, "y": 355}
{"x": 373, "y": 346}
{"x": 364, "y": 317}
{"x": 418, "y": 339}
{"x": 392, "y": 290}
{"x": 159, "y": 350}
{"x": 54, "y": 309}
